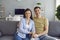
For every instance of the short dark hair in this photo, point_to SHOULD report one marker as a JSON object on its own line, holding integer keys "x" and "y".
{"x": 36, "y": 7}
{"x": 28, "y": 10}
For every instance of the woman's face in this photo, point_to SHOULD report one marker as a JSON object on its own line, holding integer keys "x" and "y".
{"x": 28, "y": 14}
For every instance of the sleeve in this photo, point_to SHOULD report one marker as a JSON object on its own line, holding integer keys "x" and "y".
{"x": 46, "y": 22}
{"x": 21, "y": 28}
{"x": 33, "y": 27}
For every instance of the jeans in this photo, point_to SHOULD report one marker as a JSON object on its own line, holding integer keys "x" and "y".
{"x": 46, "y": 37}
{"x": 28, "y": 37}
{"x": 19, "y": 38}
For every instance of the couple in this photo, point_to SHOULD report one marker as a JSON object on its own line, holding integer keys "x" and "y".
{"x": 36, "y": 27}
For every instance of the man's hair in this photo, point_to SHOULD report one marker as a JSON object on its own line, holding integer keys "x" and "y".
{"x": 36, "y": 7}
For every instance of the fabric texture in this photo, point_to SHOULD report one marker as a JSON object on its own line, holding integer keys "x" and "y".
{"x": 7, "y": 38}
{"x": 54, "y": 28}
{"x": 40, "y": 23}
{"x": 0, "y": 33}
{"x": 22, "y": 31}
{"x": 46, "y": 37}
{"x": 19, "y": 38}
{"x": 8, "y": 27}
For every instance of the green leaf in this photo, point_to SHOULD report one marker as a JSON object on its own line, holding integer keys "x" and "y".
{"x": 38, "y": 3}
{"x": 58, "y": 12}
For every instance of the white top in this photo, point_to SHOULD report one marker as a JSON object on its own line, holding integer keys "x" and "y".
{"x": 27, "y": 26}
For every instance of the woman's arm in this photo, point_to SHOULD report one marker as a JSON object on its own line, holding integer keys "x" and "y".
{"x": 33, "y": 29}
{"x": 21, "y": 29}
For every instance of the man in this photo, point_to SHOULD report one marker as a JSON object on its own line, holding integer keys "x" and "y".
{"x": 41, "y": 25}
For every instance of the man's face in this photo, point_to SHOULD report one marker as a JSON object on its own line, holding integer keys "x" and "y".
{"x": 37, "y": 11}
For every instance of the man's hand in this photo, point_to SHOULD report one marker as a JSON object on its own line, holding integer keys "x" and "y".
{"x": 35, "y": 35}
{"x": 39, "y": 34}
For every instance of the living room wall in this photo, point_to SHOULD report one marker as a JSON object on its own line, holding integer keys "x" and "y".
{"x": 0, "y": 1}
{"x": 49, "y": 6}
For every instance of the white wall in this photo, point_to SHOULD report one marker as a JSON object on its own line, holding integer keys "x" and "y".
{"x": 0, "y": 1}
{"x": 48, "y": 5}
{"x": 11, "y": 5}
{"x": 50, "y": 9}
{"x": 57, "y": 3}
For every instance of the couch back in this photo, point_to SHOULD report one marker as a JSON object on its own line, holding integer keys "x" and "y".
{"x": 8, "y": 27}
{"x": 54, "y": 28}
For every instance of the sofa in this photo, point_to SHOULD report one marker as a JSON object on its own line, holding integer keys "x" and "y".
{"x": 8, "y": 29}
{"x": 54, "y": 29}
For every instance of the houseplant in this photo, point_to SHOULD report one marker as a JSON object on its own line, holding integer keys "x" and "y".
{"x": 58, "y": 12}
{"x": 38, "y": 3}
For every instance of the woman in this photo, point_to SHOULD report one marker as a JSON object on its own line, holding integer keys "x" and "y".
{"x": 27, "y": 27}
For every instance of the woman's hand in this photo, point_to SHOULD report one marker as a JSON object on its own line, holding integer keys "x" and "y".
{"x": 30, "y": 33}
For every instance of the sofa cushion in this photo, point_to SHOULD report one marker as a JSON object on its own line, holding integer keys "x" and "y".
{"x": 0, "y": 33}
{"x": 54, "y": 28}
{"x": 8, "y": 27}
{"x": 7, "y": 38}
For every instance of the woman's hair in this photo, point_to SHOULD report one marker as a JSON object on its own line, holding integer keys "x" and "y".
{"x": 28, "y": 10}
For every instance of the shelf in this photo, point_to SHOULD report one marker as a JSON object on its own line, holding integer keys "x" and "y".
{"x": 2, "y": 11}
{"x": 2, "y": 17}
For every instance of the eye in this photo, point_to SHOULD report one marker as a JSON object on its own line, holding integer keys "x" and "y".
{"x": 35, "y": 10}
